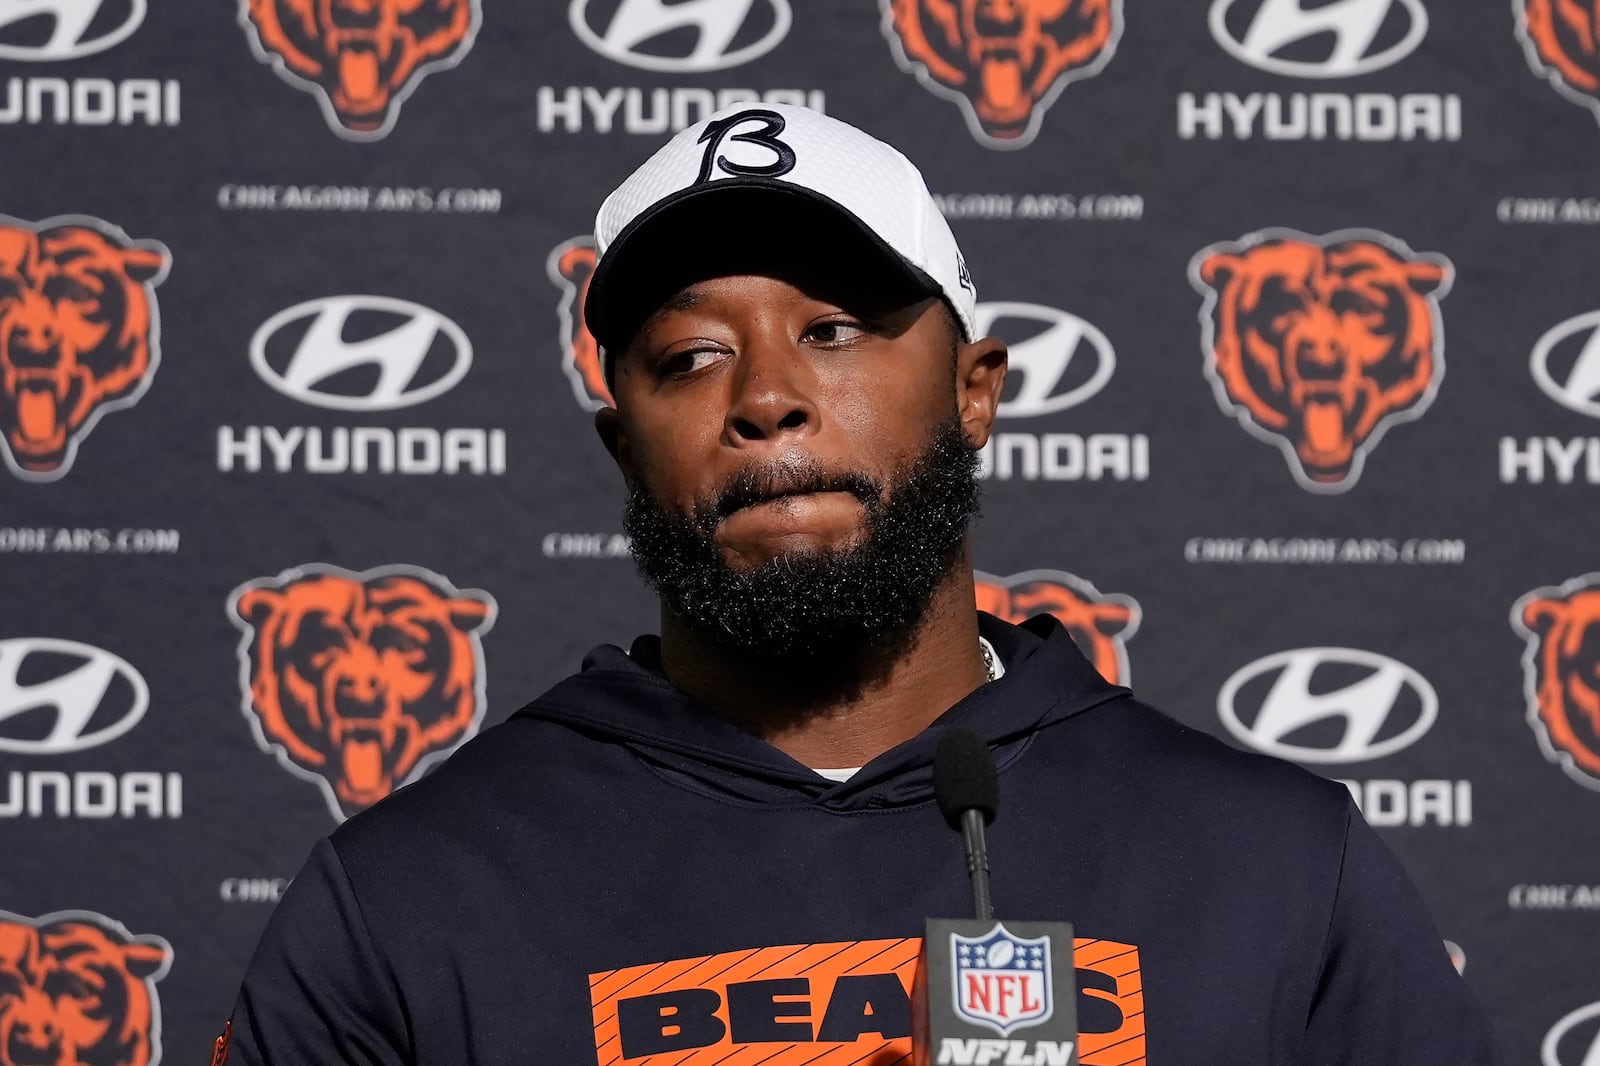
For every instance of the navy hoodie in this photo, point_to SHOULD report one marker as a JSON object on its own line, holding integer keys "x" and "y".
{"x": 617, "y": 875}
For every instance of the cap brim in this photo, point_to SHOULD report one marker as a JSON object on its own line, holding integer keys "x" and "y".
{"x": 742, "y": 226}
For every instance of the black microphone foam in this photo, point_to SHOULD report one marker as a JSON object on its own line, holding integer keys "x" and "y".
{"x": 964, "y": 777}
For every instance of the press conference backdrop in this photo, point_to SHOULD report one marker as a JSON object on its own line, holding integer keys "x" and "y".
{"x": 1301, "y": 437}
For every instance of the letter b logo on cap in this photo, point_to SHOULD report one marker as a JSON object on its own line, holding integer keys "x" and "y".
{"x": 766, "y": 136}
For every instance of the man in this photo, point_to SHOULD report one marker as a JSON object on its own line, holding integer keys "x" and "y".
{"x": 720, "y": 846}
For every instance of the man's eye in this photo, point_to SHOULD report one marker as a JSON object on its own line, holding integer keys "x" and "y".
{"x": 834, "y": 332}
{"x": 687, "y": 362}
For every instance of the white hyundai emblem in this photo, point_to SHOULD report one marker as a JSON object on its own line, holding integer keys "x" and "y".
{"x": 716, "y": 26}
{"x": 1573, "y": 380}
{"x": 1061, "y": 364}
{"x": 76, "y": 695}
{"x": 1574, "y": 1040}
{"x": 1384, "y": 705}
{"x": 75, "y": 30}
{"x": 1267, "y": 39}
{"x": 395, "y": 359}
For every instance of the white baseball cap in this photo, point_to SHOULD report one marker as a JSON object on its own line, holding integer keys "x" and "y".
{"x": 761, "y": 183}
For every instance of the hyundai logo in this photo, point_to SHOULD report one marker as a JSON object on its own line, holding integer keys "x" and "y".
{"x": 1566, "y": 363}
{"x": 1574, "y": 1040}
{"x": 76, "y": 28}
{"x": 726, "y": 33}
{"x": 60, "y": 696}
{"x": 1361, "y": 35}
{"x": 1327, "y": 705}
{"x": 1061, "y": 359}
{"x": 360, "y": 353}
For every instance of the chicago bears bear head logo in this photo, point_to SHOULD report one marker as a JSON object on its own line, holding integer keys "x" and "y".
{"x": 570, "y": 266}
{"x": 358, "y": 681}
{"x": 1003, "y": 61}
{"x": 79, "y": 334}
{"x": 1562, "y": 41}
{"x": 1099, "y": 624}
{"x": 1319, "y": 344}
{"x": 1562, "y": 673}
{"x": 77, "y": 989}
{"x": 360, "y": 58}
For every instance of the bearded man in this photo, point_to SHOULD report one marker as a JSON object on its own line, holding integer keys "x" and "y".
{"x": 719, "y": 846}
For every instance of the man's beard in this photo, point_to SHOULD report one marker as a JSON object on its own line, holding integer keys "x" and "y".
{"x": 831, "y": 605}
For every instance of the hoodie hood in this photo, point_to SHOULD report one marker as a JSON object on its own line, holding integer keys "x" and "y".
{"x": 622, "y": 698}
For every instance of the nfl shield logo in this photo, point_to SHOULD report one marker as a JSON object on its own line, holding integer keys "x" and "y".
{"x": 1002, "y": 981}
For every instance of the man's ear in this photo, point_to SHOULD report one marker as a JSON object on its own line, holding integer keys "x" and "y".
{"x": 980, "y": 379}
{"x": 608, "y": 424}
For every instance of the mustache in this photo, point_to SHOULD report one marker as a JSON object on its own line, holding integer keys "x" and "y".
{"x": 755, "y": 484}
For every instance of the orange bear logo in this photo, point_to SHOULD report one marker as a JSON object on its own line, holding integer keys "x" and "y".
{"x": 1562, "y": 40}
{"x": 570, "y": 266}
{"x": 360, "y": 681}
{"x": 1562, "y": 673}
{"x": 360, "y": 58}
{"x": 1099, "y": 624}
{"x": 1003, "y": 61}
{"x": 78, "y": 334}
{"x": 1319, "y": 344}
{"x": 77, "y": 988}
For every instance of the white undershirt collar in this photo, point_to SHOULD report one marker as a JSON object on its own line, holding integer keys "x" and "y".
{"x": 843, "y": 774}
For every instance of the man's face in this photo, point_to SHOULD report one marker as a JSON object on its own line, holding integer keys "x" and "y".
{"x": 801, "y": 472}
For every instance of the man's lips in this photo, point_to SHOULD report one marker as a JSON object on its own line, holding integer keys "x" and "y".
{"x": 783, "y": 498}
{"x": 810, "y": 515}
{"x": 796, "y": 505}
{"x": 764, "y": 486}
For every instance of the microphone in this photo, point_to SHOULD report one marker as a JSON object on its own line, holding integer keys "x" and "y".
{"x": 967, "y": 789}
{"x": 978, "y": 978}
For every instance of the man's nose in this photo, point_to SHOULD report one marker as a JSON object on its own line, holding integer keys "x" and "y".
{"x": 772, "y": 394}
